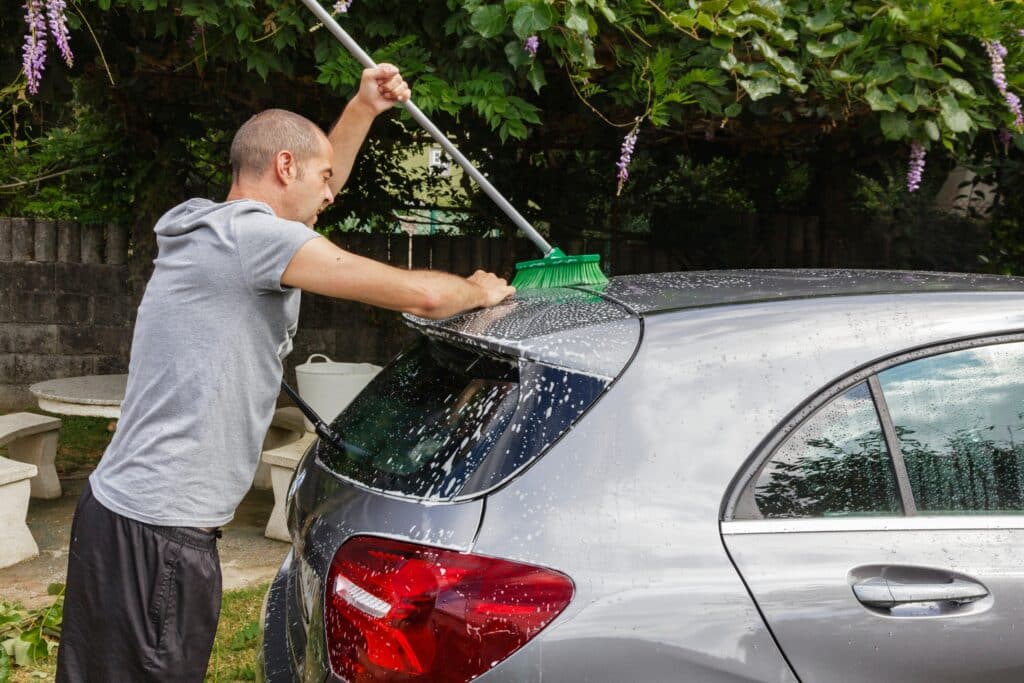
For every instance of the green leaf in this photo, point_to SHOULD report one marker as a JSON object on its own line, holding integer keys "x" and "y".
{"x": 536, "y": 77}
{"x": 955, "y": 118}
{"x": 686, "y": 19}
{"x": 895, "y": 125}
{"x": 915, "y": 53}
{"x": 5, "y": 666}
{"x": 578, "y": 21}
{"x": 847, "y": 40}
{"x": 906, "y": 100}
{"x": 772, "y": 9}
{"x": 823, "y": 22}
{"x": 705, "y": 21}
{"x": 734, "y": 110}
{"x": 516, "y": 54}
{"x": 882, "y": 73}
{"x": 946, "y": 61}
{"x": 759, "y": 88}
{"x": 927, "y": 72}
{"x": 844, "y": 77}
{"x": 962, "y": 87}
{"x": 489, "y": 20}
{"x": 956, "y": 49}
{"x": 723, "y": 43}
{"x": 532, "y": 19}
{"x": 931, "y": 129}
{"x": 880, "y": 101}
{"x": 712, "y": 6}
{"x": 822, "y": 50}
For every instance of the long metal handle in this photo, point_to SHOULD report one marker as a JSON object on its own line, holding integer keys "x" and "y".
{"x": 421, "y": 118}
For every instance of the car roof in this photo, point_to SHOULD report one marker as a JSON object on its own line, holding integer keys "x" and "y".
{"x": 545, "y": 324}
{"x": 654, "y": 293}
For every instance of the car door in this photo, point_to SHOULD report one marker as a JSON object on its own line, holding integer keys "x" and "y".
{"x": 882, "y": 535}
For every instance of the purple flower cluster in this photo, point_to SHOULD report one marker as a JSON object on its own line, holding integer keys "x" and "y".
{"x": 59, "y": 29}
{"x": 626, "y": 155}
{"x": 916, "y": 168}
{"x": 33, "y": 53}
{"x": 342, "y": 6}
{"x": 34, "y": 49}
{"x": 197, "y": 33}
{"x": 997, "y": 53}
{"x": 531, "y": 45}
{"x": 1005, "y": 139}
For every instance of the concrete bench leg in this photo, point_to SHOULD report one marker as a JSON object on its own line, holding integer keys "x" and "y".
{"x": 277, "y": 525}
{"x": 16, "y": 542}
{"x": 262, "y": 479}
{"x": 39, "y": 450}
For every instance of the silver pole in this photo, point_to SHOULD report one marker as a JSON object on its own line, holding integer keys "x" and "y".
{"x": 421, "y": 118}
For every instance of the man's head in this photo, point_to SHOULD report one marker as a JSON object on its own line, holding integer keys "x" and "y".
{"x": 285, "y": 160}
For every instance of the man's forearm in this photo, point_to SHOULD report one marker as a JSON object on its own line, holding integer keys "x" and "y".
{"x": 347, "y": 137}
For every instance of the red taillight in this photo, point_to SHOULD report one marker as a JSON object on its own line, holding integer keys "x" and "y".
{"x": 401, "y": 611}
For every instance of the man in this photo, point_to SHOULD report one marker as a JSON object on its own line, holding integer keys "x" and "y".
{"x": 217, "y": 319}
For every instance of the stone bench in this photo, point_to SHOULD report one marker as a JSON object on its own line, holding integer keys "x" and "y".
{"x": 16, "y": 542}
{"x": 282, "y": 462}
{"x": 286, "y": 426}
{"x": 32, "y": 439}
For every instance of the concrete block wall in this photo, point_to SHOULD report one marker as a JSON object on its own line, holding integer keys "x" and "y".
{"x": 64, "y": 303}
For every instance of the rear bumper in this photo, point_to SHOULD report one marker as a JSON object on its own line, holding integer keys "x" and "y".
{"x": 274, "y": 663}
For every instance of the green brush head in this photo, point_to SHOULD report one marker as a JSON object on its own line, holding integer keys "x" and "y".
{"x": 558, "y": 270}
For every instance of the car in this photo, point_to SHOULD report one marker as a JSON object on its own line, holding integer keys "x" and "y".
{"x": 760, "y": 475}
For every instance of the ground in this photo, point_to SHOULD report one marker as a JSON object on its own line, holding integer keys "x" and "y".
{"x": 248, "y": 559}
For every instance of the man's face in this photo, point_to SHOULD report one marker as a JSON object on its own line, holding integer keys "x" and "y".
{"x": 309, "y": 193}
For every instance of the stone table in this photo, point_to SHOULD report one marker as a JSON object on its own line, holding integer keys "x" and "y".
{"x": 93, "y": 395}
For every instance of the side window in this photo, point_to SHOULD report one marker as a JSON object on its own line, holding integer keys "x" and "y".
{"x": 835, "y": 464}
{"x": 959, "y": 417}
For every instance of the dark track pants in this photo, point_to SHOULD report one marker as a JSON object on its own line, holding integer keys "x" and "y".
{"x": 142, "y": 601}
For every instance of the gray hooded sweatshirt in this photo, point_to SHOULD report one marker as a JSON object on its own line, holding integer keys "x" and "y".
{"x": 211, "y": 332}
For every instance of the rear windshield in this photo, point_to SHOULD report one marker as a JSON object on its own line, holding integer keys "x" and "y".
{"x": 443, "y": 421}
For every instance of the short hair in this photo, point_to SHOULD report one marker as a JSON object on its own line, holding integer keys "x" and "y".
{"x": 264, "y": 135}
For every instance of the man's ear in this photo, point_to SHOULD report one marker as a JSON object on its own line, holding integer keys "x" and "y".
{"x": 285, "y": 167}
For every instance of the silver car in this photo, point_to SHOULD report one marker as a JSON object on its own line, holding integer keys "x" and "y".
{"x": 719, "y": 476}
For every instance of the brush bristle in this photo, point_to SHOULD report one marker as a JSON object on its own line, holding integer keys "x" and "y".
{"x": 559, "y": 271}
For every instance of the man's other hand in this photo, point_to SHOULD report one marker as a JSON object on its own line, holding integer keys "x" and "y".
{"x": 495, "y": 288}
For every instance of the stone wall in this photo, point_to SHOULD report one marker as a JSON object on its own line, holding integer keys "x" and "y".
{"x": 64, "y": 303}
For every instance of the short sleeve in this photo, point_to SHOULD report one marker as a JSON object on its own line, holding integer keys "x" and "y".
{"x": 266, "y": 245}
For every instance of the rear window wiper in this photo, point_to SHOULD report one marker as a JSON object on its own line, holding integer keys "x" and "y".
{"x": 323, "y": 430}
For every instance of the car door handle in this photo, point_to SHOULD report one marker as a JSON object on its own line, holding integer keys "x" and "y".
{"x": 883, "y": 593}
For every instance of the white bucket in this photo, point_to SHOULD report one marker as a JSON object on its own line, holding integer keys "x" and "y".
{"x": 328, "y": 387}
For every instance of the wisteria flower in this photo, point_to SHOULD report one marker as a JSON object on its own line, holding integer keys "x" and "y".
{"x": 59, "y": 29}
{"x": 531, "y": 45}
{"x": 342, "y": 6}
{"x": 915, "y": 170}
{"x": 33, "y": 52}
{"x": 996, "y": 54}
{"x": 626, "y": 156}
{"x": 197, "y": 33}
{"x": 1005, "y": 139}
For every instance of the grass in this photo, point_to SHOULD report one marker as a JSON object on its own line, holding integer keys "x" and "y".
{"x": 234, "y": 649}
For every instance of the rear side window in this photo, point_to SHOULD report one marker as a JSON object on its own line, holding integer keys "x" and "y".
{"x": 444, "y": 421}
{"x": 959, "y": 417}
{"x": 835, "y": 464}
